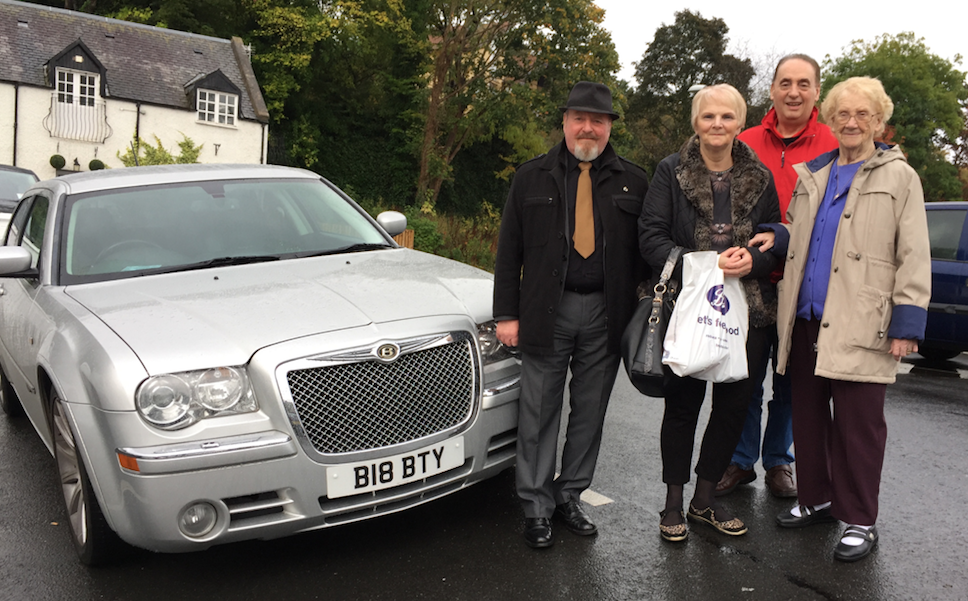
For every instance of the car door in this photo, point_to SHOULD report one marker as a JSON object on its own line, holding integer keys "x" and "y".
{"x": 948, "y": 312}
{"x": 20, "y": 318}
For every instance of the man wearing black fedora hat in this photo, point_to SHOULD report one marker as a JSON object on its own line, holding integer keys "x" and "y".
{"x": 567, "y": 267}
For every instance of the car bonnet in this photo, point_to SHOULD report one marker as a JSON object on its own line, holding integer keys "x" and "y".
{"x": 222, "y": 316}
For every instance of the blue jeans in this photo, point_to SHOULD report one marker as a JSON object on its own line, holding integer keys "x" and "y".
{"x": 778, "y": 437}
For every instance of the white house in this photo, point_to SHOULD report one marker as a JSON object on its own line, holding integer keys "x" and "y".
{"x": 83, "y": 86}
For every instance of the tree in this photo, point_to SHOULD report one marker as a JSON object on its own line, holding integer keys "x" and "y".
{"x": 690, "y": 52}
{"x": 927, "y": 91}
{"x": 494, "y": 65}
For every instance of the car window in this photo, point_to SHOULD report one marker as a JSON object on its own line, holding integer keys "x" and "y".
{"x": 17, "y": 224}
{"x": 13, "y": 184}
{"x": 121, "y": 233}
{"x": 944, "y": 230}
{"x": 27, "y": 227}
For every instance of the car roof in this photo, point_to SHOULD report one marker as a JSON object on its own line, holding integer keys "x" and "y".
{"x": 127, "y": 177}
{"x": 18, "y": 170}
{"x": 946, "y": 204}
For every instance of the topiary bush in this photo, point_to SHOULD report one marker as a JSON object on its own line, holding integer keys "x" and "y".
{"x": 57, "y": 161}
{"x": 95, "y": 165}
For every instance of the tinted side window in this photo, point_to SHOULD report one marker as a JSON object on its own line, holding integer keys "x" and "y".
{"x": 17, "y": 223}
{"x": 33, "y": 238}
{"x": 944, "y": 229}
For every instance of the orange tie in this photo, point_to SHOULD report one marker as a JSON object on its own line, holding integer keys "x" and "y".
{"x": 584, "y": 237}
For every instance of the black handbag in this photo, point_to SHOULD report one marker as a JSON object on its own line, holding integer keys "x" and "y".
{"x": 642, "y": 339}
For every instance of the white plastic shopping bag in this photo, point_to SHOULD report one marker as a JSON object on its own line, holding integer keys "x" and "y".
{"x": 706, "y": 338}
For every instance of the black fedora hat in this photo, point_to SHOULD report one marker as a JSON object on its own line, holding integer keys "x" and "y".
{"x": 591, "y": 98}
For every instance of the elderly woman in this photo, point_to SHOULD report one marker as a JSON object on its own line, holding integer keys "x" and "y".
{"x": 853, "y": 302}
{"x": 711, "y": 195}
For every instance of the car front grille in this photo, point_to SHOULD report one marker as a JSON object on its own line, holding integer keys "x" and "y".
{"x": 367, "y": 404}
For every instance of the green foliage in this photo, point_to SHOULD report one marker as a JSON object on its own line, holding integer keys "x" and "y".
{"x": 471, "y": 240}
{"x": 496, "y": 65}
{"x": 219, "y": 18}
{"x": 96, "y": 165}
{"x": 928, "y": 92}
{"x": 144, "y": 153}
{"x": 57, "y": 161}
{"x": 690, "y": 52}
{"x": 426, "y": 238}
{"x": 135, "y": 14}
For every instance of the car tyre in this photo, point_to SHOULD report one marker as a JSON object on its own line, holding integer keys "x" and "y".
{"x": 934, "y": 354}
{"x": 9, "y": 401}
{"x": 93, "y": 538}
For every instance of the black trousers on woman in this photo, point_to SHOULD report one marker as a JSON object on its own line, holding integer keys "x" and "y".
{"x": 684, "y": 398}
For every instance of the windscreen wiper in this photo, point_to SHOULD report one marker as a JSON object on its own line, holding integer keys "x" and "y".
{"x": 353, "y": 248}
{"x": 216, "y": 262}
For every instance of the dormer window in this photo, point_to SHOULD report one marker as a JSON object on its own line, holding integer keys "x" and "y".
{"x": 76, "y": 87}
{"x": 217, "y": 107}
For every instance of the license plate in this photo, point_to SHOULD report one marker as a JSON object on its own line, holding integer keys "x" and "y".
{"x": 387, "y": 472}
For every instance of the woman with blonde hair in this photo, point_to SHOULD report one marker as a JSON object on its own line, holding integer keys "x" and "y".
{"x": 711, "y": 195}
{"x": 853, "y": 302}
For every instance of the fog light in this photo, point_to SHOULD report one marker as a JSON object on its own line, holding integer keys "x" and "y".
{"x": 198, "y": 520}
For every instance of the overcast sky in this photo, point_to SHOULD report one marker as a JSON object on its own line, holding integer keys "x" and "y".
{"x": 824, "y": 29}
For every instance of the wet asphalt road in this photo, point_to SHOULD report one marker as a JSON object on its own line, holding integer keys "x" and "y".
{"x": 468, "y": 546}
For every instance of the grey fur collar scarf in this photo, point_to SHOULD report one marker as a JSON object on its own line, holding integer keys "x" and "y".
{"x": 749, "y": 179}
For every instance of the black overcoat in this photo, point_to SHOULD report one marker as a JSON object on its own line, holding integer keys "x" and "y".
{"x": 679, "y": 212}
{"x": 534, "y": 246}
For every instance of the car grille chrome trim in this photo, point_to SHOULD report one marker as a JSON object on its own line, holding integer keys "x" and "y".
{"x": 372, "y": 352}
{"x": 347, "y": 403}
{"x": 211, "y": 453}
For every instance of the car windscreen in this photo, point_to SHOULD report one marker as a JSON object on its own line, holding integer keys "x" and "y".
{"x": 161, "y": 229}
{"x": 13, "y": 184}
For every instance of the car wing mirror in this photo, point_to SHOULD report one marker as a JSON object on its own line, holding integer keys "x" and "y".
{"x": 15, "y": 262}
{"x": 393, "y": 222}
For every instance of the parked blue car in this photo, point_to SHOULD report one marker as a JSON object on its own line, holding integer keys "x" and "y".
{"x": 947, "y": 332}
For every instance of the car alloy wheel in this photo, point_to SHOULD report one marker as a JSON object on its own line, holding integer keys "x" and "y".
{"x": 93, "y": 539}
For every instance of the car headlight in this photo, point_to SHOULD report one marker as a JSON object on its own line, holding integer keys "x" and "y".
{"x": 492, "y": 349}
{"x": 175, "y": 401}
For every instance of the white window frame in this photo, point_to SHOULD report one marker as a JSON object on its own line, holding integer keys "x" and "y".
{"x": 217, "y": 108}
{"x": 77, "y": 87}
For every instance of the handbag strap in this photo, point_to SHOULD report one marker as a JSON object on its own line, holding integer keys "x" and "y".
{"x": 667, "y": 270}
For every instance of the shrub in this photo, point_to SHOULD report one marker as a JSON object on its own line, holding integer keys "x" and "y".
{"x": 57, "y": 161}
{"x": 95, "y": 165}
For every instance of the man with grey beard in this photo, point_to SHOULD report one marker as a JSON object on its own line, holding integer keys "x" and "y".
{"x": 564, "y": 301}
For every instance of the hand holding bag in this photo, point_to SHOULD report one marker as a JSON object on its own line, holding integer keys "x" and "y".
{"x": 642, "y": 339}
{"x": 707, "y": 334}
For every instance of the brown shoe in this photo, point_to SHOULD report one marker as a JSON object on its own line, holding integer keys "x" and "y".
{"x": 779, "y": 479}
{"x": 733, "y": 477}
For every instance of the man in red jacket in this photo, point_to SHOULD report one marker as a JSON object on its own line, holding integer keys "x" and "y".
{"x": 789, "y": 134}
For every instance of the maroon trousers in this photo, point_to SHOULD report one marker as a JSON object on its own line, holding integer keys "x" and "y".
{"x": 839, "y": 455}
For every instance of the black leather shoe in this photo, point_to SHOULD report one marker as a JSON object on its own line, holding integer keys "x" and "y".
{"x": 575, "y": 518}
{"x": 808, "y": 517}
{"x": 537, "y": 533}
{"x": 854, "y": 552}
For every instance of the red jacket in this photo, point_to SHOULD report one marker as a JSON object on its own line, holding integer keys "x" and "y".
{"x": 767, "y": 142}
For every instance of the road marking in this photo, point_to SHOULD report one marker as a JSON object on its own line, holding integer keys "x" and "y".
{"x": 904, "y": 367}
{"x": 592, "y": 498}
{"x": 963, "y": 374}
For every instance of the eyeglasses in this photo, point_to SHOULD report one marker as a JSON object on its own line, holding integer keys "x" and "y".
{"x": 860, "y": 116}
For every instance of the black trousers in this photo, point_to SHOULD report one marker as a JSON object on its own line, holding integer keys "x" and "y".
{"x": 683, "y": 401}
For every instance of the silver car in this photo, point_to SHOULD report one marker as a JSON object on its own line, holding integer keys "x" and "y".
{"x": 217, "y": 353}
